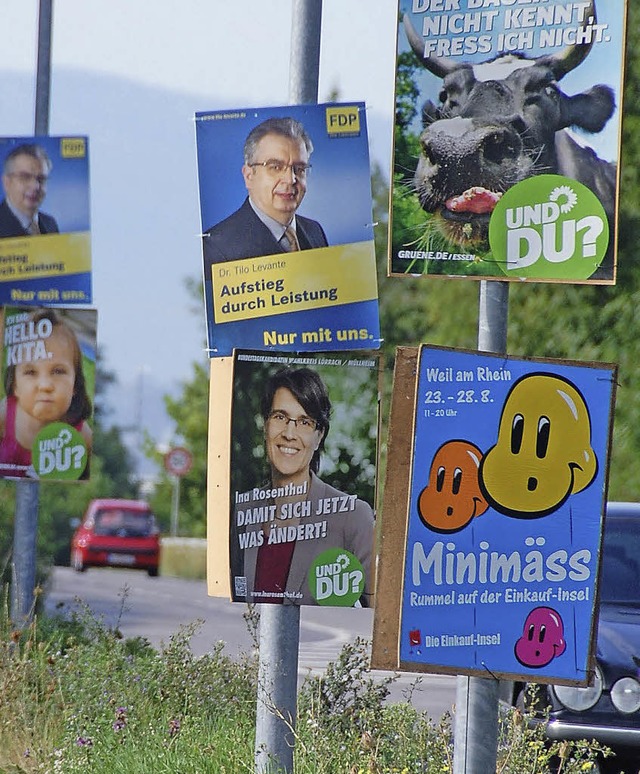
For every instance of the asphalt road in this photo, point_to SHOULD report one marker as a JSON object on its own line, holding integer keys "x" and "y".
{"x": 156, "y": 608}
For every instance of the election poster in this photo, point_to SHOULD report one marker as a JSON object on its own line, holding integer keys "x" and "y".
{"x": 45, "y": 249}
{"x": 300, "y": 480}
{"x": 287, "y": 229}
{"x": 48, "y": 386}
{"x": 502, "y": 526}
{"x": 507, "y": 140}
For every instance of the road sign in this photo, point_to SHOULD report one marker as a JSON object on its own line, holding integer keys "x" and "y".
{"x": 178, "y": 461}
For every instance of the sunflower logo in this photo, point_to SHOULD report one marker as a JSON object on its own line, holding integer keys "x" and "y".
{"x": 565, "y": 197}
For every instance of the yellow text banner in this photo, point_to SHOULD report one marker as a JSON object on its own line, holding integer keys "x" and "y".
{"x": 294, "y": 282}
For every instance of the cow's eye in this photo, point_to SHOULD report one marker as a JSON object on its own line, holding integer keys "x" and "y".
{"x": 531, "y": 100}
{"x": 443, "y": 96}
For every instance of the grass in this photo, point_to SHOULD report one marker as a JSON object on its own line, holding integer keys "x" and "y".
{"x": 75, "y": 696}
{"x": 184, "y": 558}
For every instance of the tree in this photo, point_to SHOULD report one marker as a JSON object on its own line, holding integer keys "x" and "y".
{"x": 190, "y": 413}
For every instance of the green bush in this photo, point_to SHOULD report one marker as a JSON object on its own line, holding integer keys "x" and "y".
{"x": 75, "y": 696}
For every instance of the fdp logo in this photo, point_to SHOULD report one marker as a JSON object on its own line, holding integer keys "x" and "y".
{"x": 73, "y": 148}
{"x": 343, "y": 121}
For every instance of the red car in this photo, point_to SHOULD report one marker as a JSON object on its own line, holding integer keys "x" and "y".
{"x": 117, "y": 533}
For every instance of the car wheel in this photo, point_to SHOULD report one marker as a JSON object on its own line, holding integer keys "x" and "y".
{"x": 153, "y": 572}
{"x": 76, "y": 562}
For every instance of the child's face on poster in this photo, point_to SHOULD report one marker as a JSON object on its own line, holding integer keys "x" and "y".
{"x": 44, "y": 388}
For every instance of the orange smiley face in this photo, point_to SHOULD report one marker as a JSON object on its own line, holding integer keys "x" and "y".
{"x": 452, "y": 497}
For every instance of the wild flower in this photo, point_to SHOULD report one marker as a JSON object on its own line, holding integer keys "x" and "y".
{"x": 120, "y": 722}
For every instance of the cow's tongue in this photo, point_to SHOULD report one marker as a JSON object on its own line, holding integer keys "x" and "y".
{"x": 477, "y": 200}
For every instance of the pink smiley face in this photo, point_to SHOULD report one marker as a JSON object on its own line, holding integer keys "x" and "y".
{"x": 542, "y": 638}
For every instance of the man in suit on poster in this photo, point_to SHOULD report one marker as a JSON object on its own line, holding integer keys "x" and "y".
{"x": 275, "y": 171}
{"x": 24, "y": 178}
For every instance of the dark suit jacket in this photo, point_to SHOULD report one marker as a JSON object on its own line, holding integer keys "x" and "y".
{"x": 244, "y": 235}
{"x": 10, "y": 225}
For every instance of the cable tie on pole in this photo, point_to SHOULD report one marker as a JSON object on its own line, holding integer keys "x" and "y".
{"x": 486, "y": 669}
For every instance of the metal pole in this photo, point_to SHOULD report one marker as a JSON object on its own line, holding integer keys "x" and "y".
{"x": 476, "y": 719}
{"x": 43, "y": 73}
{"x": 304, "y": 65}
{"x": 175, "y": 506}
{"x": 280, "y": 624}
{"x": 27, "y": 492}
{"x": 23, "y": 565}
{"x": 277, "y": 688}
{"x": 493, "y": 311}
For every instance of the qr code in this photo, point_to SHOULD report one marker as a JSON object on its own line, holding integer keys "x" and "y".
{"x": 241, "y": 585}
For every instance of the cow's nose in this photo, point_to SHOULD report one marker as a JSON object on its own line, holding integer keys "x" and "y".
{"x": 500, "y": 144}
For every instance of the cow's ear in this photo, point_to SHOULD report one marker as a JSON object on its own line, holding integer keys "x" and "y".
{"x": 590, "y": 110}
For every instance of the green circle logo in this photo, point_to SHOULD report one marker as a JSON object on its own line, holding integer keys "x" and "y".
{"x": 59, "y": 453}
{"x": 336, "y": 578}
{"x": 549, "y": 227}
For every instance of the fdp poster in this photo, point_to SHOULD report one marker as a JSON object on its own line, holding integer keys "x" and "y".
{"x": 507, "y": 140}
{"x": 507, "y": 489}
{"x": 301, "y": 479}
{"x": 45, "y": 248}
{"x": 285, "y": 201}
{"x": 48, "y": 385}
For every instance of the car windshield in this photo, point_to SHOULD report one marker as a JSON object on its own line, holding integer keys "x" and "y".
{"x": 621, "y": 562}
{"x": 123, "y": 523}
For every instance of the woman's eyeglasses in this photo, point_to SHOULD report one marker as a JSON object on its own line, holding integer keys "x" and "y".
{"x": 280, "y": 421}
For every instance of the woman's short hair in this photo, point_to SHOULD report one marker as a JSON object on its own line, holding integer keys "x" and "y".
{"x": 80, "y": 407}
{"x": 309, "y": 390}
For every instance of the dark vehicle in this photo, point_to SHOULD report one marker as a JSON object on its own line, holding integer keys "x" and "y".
{"x": 117, "y": 533}
{"x": 609, "y": 710}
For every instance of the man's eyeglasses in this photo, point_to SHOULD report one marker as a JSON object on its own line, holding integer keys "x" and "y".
{"x": 276, "y": 167}
{"x": 279, "y": 420}
{"x": 27, "y": 177}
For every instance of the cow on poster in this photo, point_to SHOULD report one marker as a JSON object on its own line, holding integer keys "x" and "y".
{"x": 287, "y": 232}
{"x": 508, "y": 139}
{"x": 45, "y": 250}
{"x": 48, "y": 378}
{"x": 302, "y": 478}
{"x": 508, "y": 485}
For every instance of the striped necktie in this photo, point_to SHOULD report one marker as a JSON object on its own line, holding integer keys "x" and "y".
{"x": 290, "y": 234}
{"x": 34, "y": 228}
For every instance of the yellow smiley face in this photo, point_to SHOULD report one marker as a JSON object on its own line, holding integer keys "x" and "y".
{"x": 543, "y": 453}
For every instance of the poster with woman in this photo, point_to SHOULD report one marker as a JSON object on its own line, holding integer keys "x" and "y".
{"x": 302, "y": 478}
{"x": 48, "y": 383}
